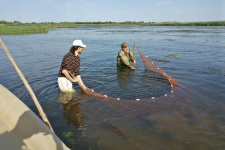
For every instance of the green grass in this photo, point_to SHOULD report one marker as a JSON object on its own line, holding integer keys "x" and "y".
{"x": 22, "y": 30}
{"x": 57, "y": 25}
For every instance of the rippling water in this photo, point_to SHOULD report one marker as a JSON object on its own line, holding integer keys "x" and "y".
{"x": 165, "y": 123}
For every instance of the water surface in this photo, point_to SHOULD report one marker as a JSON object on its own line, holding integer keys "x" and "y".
{"x": 198, "y": 66}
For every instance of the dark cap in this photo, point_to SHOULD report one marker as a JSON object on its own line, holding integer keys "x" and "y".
{"x": 124, "y": 44}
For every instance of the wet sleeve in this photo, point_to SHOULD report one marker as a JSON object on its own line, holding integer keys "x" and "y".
{"x": 124, "y": 59}
{"x": 131, "y": 56}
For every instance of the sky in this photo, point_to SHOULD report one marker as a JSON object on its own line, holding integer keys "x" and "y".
{"x": 112, "y": 10}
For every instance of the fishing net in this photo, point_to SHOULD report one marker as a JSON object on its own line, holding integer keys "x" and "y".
{"x": 149, "y": 65}
{"x": 92, "y": 92}
{"x": 172, "y": 101}
{"x": 89, "y": 91}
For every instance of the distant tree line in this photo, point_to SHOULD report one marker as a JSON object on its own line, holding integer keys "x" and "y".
{"x": 73, "y": 24}
{"x": 98, "y": 22}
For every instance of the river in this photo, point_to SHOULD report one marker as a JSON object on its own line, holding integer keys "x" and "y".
{"x": 193, "y": 56}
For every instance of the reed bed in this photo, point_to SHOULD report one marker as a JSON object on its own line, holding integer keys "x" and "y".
{"x": 23, "y": 30}
{"x": 211, "y": 23}
{"x": 58, "y": 25}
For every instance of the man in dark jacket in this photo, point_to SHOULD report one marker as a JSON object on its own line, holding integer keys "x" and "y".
{"x": 71, "y": 64}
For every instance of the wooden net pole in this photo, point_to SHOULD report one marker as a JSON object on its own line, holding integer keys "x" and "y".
{"x": 44, "y": 117}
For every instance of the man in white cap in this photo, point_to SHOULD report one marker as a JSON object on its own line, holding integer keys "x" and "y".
{"x": 71, "y": 64}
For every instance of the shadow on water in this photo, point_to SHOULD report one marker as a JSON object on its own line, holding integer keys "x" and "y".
{"x": 21, "y": 138}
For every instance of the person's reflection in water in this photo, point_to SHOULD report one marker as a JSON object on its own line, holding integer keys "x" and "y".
{"x": 125, "y": 76}
{"x": 72, "y": 111}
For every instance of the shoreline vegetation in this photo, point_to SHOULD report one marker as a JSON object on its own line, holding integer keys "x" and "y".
{"x": 17, "y": 27}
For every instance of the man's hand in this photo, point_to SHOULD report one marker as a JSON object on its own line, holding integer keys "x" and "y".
{"x": 74, "y": 80}
{"x": 132, "y": 67}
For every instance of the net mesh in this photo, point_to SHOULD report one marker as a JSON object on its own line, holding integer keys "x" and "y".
{"x": 171, "y": 102}
{"x": 92, "y": 92}
{"x": 149, "y": 65}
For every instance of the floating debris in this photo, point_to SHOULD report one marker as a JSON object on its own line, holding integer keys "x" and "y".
{"x": 171, "y": 55}
{"x": 161, "y": 60}
{"x": 67, "y": 134}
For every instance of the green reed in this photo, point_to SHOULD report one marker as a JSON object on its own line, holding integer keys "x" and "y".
{"x": 209, "y": 23}
{"x": 22, "y": 30}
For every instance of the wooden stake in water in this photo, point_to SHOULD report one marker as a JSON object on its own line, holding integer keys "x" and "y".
{"x": 44, "y": 117}
{"x": 134, "y": 55}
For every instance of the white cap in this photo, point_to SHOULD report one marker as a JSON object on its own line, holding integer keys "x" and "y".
{"x": 78, "y": 43}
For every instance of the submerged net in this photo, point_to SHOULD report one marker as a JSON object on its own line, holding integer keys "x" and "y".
{"x": 144, "y": 107}
{"x": 92, "y": 92}
{"x": 149, "y": 65}
{"x": 89, "y": 91}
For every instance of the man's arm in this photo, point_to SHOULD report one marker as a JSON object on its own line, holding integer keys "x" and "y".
{"x": 80, "y": 82}
{"x": 74, "y": 79}
{"x": 132, "y": 57}
{"x": 124, "y": 60}
{"x": 66, "y": 73}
